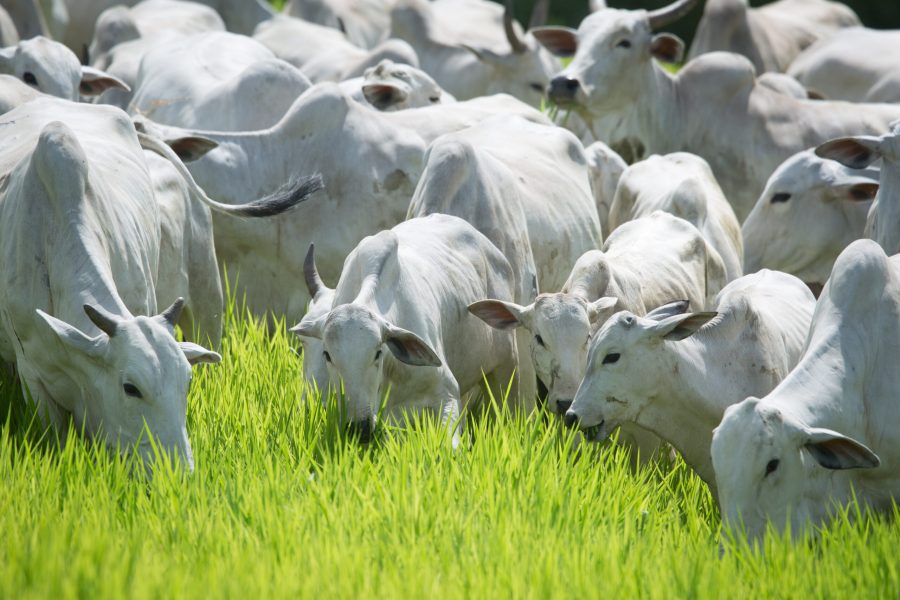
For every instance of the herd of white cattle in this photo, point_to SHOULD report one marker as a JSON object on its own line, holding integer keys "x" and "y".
{"x": 650, "y": 263}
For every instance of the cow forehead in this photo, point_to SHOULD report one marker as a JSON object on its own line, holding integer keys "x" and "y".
{"x": 610, "y": 21}
{"x": 351, "y": 323}
{"x": 559, "y": 307}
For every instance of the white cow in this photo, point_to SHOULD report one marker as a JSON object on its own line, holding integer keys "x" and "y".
{"x": 390, "y": 86}
{"x": 644, "y": 264}
{"x": 216, "y": 80}
{"x": 855, "y": 64}
{"x": 810, "y": 210}
{"x": 81, "y": 239}
{"x": 681, "y": 184}
{"x": 883, "y": 222}
{"x": 124, "y": 35}
{"x": 364, "y": 22}
{"x": 523, "y": 185}
{"x": 370, "y": 160}
{"x": 714, "y": 107}
{"x": 772, "y": 35}
{"x": 828, "y": 432}
{"x": 605, "y": 167}
{"x": 399, "y": 323}
{"x": 474, "y": 48}
{"x": 51, "y": 68}
{"x": 665, "y": 374}
{"x": 324, "y": 54}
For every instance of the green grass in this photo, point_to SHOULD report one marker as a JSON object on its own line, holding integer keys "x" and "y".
{"x": 281, "y": 505}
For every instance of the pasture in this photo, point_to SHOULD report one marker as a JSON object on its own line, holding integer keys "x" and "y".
{"x": 283, "y": 505}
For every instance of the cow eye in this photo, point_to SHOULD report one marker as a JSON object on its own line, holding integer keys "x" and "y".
{"x": 780, "y": 198}
{"x": 771, "y": 466}
{"x": 434, "y": 99}
{"x": 624, "y": 44}
{"x": 131, "y": 390}
{"x": 327, "y": 356}
{"x": 611, "y": 358}
{"x": 29, "y": 78}
{"x": 538, "y": 87}
{"x": 378, "y": 354}
{"x": 540, "y": 341}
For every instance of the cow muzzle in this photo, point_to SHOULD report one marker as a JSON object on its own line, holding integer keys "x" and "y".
{"x": 563, "y": 90}
{"x": 562, "y": 407}
{"x": 363, "y": 430}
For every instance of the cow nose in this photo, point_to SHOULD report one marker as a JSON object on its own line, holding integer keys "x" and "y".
{"x": 571, "y": 419}
{"x": 563, "y": 89}
{"x": 363, "y": 429}
{"x": 563, "y": 406}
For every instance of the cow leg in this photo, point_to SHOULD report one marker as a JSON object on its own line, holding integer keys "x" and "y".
{"x": 206, "y": 298}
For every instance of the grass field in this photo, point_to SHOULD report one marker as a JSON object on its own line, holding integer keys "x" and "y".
{"x": 281, "y": 505}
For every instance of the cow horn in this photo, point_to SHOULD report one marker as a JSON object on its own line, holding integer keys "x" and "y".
{"x": 669, "y": 14}
{"x": 105, "y": 322}
{"x": 539, "y": 14}
{"x": 314, "y": 283}
{"x": 517, "y": 45}
{"x": 173, "y": 313}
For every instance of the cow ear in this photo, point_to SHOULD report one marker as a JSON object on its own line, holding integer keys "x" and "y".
{"x": 855, "y": 152}
{"x": 383, "y": 95}
{"x": 310, "y": 327}
{"x": 198, "y": 354}
{"x": 678, "y": 307}
{"x": 94, "y": 82}
{"x": 833, "y": 450}
{"x": 93, "y": 347}
{"x": 668, "y": 48}
{"x": 560, "y": 41}
{"x": 192, "y": 147}
{"x": 502, "y": 315}
{"x": 680, "y": 327}
{"x": 409, "y": 348}
{"x": 599, "y": 306}
{"x": 862, "y": 192}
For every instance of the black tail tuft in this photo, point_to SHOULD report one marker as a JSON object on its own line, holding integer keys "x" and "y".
{"x": 285, "y": 198}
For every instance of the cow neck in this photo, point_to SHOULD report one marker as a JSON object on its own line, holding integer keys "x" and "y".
{"x": 655, "y": 113}
{"x": 885, "y": 214}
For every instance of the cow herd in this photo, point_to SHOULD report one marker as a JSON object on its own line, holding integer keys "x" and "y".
{"x": 682, "y": 257}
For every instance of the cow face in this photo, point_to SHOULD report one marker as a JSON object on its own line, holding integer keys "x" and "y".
{"x": 810, "y": 210}
{"x": 560, "y": 326}
{"x": 134, "y": 374}
{"x": 771, "y": 468}
{"x": 627, "y": 367}
{"x": 355, "y": 343}
{"x": 51, "y": 68}
{"x": 612, "y": 50}
{"x": 390, "y": 86}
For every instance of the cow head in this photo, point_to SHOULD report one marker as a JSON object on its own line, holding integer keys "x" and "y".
{"x": 810, "y": 210}
{"x": 133, "y": 373}
{"x": 610, "y": 51}
{"x": 560, "y": 326}
{"x": 355, "y": 341}
{"x": 53, "y": 69}
{"x": 770, "y": 467}
{"x": 391, "y": 86}
{"x": 315, "y": 369}
{"x": 627, "y": 366}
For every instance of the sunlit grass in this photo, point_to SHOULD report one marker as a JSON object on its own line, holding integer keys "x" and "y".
{"x": 282, "y": 504}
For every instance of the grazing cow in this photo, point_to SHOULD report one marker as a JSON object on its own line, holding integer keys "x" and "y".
{"x": 838, "y": 68}
{"x": 771, "y": 36}
{"x": 523, "y": 185}
{"x": 644, "y": 264}
{"x": 324, "y": 54}
{"x": 398, "y": 322}
{"x": 828, "y": 432}
{"x": 124, "y": 35}
{"x": 216, "y": 80}
{"x": 714, "y": 107}
{"x": 370, "y": 162}
{"x": 81, "y": 240}
{"x": 674, "y": 373}
{"x": 605, "y": 168}
{"x": 681, "y": 184}
{"x": 51, "y": 68}
{"x": 811, "y": 209}
{"x": 474, "y": 48}
{"x": 883, "y": 222}
{"x": 364, "y": 22}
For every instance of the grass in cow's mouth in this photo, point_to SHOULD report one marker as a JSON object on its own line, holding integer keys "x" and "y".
{"x": 284, "y": 504}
